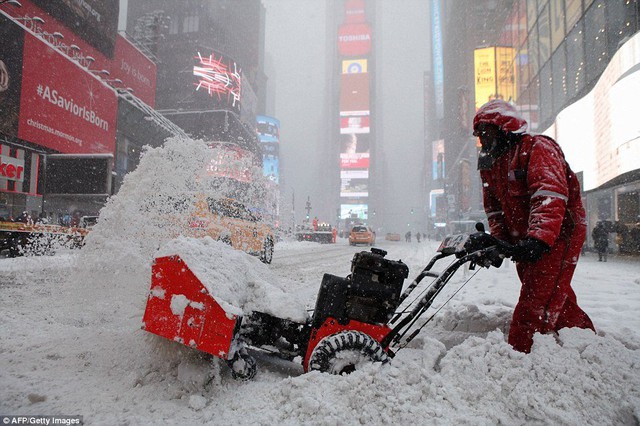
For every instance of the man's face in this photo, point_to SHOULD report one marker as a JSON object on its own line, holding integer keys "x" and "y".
{"x": 487, "y": 133}
{"x": 493, "y": 146}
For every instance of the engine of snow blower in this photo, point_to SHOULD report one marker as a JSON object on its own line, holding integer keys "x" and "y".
{"x": 370, "y": 294}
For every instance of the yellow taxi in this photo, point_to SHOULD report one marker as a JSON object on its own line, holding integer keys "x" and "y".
{"x": 361, "y": 234}
{"x": 229, "y": 221}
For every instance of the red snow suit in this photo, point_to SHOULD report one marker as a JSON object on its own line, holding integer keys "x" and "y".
{"x": 530, "y": 191}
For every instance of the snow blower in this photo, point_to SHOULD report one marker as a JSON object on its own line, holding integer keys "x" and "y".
{"x": 364, "y": 317}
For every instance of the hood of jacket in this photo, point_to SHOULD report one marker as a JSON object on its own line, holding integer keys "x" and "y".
{"x": 501, "y": 114}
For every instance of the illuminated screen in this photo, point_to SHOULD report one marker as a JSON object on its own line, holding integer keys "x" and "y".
{"x": 354, "y": 143}
{"x": 270, "y": 166}
{"x": 354, "y": 188}
{"x": 354, "y": 211}
{"x": 220, "y": 78}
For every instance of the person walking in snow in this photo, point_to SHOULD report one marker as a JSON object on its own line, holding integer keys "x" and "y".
{"x": 532, "y": 201}
{"x": 600, "y": 240}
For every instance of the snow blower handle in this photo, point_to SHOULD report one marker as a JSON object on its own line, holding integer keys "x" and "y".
{"x": 482, "y": 241}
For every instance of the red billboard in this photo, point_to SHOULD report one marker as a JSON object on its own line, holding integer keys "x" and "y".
{"x": 354, "y": 39}
{"x": 354, "y": 11}
{"x": 62, "y": 106}
{"x": 354, "y": 94}
{"x": 135, "y": 70}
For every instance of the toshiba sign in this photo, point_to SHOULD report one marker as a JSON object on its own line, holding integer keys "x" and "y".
{"x": 354, "y": 39}
{"x": 11, "y": 168}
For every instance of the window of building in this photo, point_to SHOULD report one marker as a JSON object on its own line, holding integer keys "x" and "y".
{"x": 534, "y": 103}
{"x": 559, "y": 78}
{"x": 544, "y": 35}
{"x": 573, "y": 12}
{"x": 173, "y": 25}
{"x": 557, "y": 23}
{"x": 575, "y": 60}
{"x": 622, "y": 22}
{"x": 532, "y": 13}
{"x": 541, "y": 5}
{"x": 546, "y": 93}
{"x": 534, "y": 62}
{"x": 190, "y": 24}
{"x": 596, "y": 40}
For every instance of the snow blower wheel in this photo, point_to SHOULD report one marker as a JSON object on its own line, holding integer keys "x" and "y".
{"x": 243, "y": 365}
{"x": 344, "y": 352}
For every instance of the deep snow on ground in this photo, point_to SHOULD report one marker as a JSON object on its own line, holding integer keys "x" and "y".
{"x": 71, "y": 343}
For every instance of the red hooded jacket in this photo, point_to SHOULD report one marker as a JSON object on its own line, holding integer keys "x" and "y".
{"x": 530, "y": 191}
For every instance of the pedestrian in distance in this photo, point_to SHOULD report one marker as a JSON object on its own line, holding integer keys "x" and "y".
{"x": 600, "y": 237}
{"x": 532, "y": 201}
{"x": 418, "y": 236}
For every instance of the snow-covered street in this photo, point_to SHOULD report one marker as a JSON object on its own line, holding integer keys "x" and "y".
{"x": 72, "y": 345}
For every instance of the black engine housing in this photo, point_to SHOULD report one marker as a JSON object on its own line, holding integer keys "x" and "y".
{"x": 370, "y": 294}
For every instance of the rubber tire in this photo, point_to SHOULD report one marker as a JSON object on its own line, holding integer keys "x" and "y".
{"x": 242, "y": 365}
{"x": 266, "y": 255}
{"x": 340, "y": 353}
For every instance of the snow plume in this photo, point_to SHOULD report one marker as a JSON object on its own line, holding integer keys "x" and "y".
{"x": 157, "y": 199}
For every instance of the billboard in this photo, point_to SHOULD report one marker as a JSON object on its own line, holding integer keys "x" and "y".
{"x": 135, "y": 70}
{"x": 353, "y": 66}
{"x": 354, "y": 94}
{"x": 354, "y": 11}
{"x": 354, "y": 161}
{"x": 354, "y": 39}
{"x": 95, "y": 21}
{"x": 270, "y": 168}
{"x": 354, "y": 124}
{"x": 11, "y": 53}
{"x": 495, "y": 78}
{"x": 268, "y": 129}
{"x": 219, "y": 78}
{"x": 438, "y": 165}
{"x": 354, "y": 211}
{"x": 354, "y": 188}
{"x": 62, "y": 106}
{"x": 354, "y": 143}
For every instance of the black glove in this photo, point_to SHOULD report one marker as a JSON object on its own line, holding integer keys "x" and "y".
{"x": 478, "y": 241}
{"x": 529, "y": 250}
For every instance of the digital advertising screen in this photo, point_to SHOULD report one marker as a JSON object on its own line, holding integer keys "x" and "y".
{"x": 268, "y": 129}
{"x": 219, "y": 78}
{"x": 354, "y": 161}
{"x": 354, "y": 94}
{"x": 354, "y": 211}
{"x": 270, "y": 167}
{"x": 354, "y": 188}
{"x": 354, "y": 124}
{"x": 354, "y": 143}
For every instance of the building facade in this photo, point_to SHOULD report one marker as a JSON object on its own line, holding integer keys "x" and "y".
{"x": 68, "y": 80}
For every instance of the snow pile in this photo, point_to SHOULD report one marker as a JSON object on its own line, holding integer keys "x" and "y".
{"x": 233, "y": 277}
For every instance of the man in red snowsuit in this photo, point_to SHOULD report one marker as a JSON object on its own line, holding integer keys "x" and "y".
{"x": 532, "y": 200}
